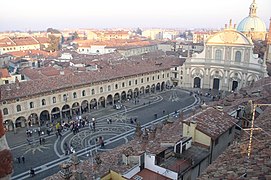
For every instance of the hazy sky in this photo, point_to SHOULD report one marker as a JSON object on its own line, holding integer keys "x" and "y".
{"x": 41, "y": 14}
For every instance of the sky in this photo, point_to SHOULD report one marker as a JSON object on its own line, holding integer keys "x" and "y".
{"x": 27, "y": 15}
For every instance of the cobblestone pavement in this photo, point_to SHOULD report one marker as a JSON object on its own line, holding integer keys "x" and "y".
{"x": 45, "y": 156}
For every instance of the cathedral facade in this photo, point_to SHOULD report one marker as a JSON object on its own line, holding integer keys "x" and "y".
{"x": 227, "y": 63}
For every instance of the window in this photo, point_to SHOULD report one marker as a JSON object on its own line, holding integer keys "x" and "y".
{"x": 130, "y": 83}
{"x": 65, "y": 97}
{"x": 101, "y": 89}
{"x": 142, "y": 80}
{"x": 43, "y": 102}
{"x": 116, "y": 86}
{"x": 148, "y": 79}
{"x": 176, "y": 68}
{"x": 31, "y": 105}
{"x": 167, "y": 74}
{"x": 163, "y": 76}
{"x": 109, "y": 88}
{"x": 136, "y": 82}
{"x": 18, "y": 107}
{"x": 92, "y": 91}
{"x": 216, "y": 141}
{"x": 54, "y": 99}
{"x": 83, "y": 93}
{"x": 181, "y": 72}
{"x": 123, "y": 84}
{"x": 74, "y": 95}
{"x": 5, "y": 111}
{"x": 237, "y": 56}
{"x": 153, "y": 78}
{"x": 218, "y": 54}
{"x": 158, "y": 77}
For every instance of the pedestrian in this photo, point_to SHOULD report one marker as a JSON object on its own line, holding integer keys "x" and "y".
{"x": 32, "y": 172}
{"x": 40, "y": 140}
{"x": 110, "y": 121}
{"x": 19, "y": 160}
{"x": 23, "y": 160}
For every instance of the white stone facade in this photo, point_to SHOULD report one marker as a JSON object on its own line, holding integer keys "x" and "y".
{"x": 227, "y": 63}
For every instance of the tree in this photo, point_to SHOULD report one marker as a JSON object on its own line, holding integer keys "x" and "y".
{"x": 75, "y": 35}
{"x": 54, "y": 43}
{"x": 138, "y": 31}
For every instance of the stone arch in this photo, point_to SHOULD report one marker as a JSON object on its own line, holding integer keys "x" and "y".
{"x": 109, "y": 99}
{"x": 147, "y": 90}
{"x": 163, "y": 84}
{"x": 55, "y": 113}
{"x": 85, "y": 106}
{"x": 9, "y": 125}
{"x": 251, "y": 78}
{"x": 169, "y": 84}
{"x": 20, "y": 122}
{"x": 75, "y": 109}
{"x": 158, "y": 87}
{"x": 130, "y": 94}
{"x": 33, "y": 119}
{"x": 234, "y": 82}
{"x": 142, "y": 90}
{"x": 153, "y": 88}
{"x": 136, "y": 92}
{"x": 44, "y": 117}
{"x": 101, "y": 101}
{"x": 93, "y": 103}
{"x": 123, "y": 96}
{"x": 197, "y": 82}
{"x": 116, "y": 98}
{"x": 66, "y": 111}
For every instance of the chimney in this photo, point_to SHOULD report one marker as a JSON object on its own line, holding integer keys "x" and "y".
{"x": 152, "y": 134}
{"x": 17, "y": 83}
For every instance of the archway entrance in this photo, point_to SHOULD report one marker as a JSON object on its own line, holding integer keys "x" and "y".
{"x": 33, "y": 119}
{"x": 102, "y": 102}
{"x": 216, "y": 83}
{"x": 163, "y": 86}
{"x": 8, "y": 125}
{"x": 66, "y": 111}
{"x": 147, "y": 90}
{"x": 234, "y": 85}
{"x": 20, "y": 122}
{"x": 123, "y": 96}
{"x": 197, "y": 82}
{"x": 158, "y": 88}
{"x": 44, "y": 117}
{"x": 84, "y": 106}
{"x": 136, "y": 92}
{"x": 93, "y": 104}
{"x": 153, "y": 88}
{"x": 75, "y": 108}
{"x": 109, "y": 100}
{"x": 55, "y": 113}
{"x": 130, "y": 94}
{"x": 116, "y": 98}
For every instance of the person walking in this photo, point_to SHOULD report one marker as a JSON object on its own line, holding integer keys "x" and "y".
{"x": 32, "y": 172}
{"x": 23, "y": 159}
{"x": 19, "y": 159}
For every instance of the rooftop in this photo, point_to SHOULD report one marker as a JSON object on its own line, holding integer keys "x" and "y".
{"x": 106, "y": 72}
{"x": 212, "y": 122}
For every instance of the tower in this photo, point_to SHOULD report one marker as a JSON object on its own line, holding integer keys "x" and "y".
{"x": 253, "y": 9}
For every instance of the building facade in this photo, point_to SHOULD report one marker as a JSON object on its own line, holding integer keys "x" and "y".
{"x": 40, "y": 102}
{"x": 227, "y": 63}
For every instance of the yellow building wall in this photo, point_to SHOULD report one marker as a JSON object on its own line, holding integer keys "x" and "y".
{"x": 202, "y": 138}
{"x": 197, "y": 136}
{"x": 112, "y": 175}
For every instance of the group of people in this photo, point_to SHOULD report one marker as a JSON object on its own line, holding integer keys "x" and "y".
{"x": 21, "y": 159}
